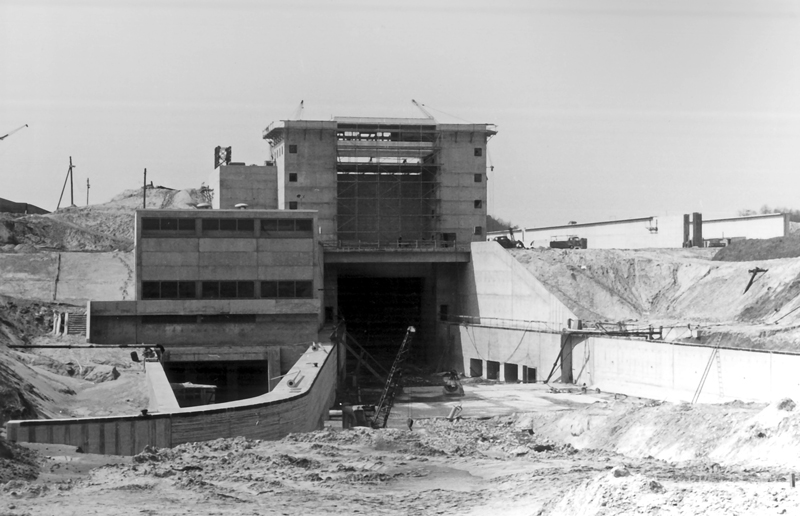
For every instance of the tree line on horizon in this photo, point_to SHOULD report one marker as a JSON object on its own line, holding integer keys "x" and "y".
{"x": 794, "y": 215}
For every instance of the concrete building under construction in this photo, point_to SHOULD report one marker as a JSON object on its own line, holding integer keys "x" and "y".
{"x": 382, "y": 214}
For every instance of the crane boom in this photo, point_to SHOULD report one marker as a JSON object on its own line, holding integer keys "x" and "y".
{"x": 12, "y": 132}
{"x": 425, "y": 111}
{"x": 298, "y": 115}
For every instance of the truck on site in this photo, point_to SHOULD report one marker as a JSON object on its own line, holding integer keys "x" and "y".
{"x": 509, "y": 242}
{"x": 568, "y": 242}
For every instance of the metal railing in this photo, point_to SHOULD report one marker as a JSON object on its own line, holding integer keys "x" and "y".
{"x": 498, "y": 322}
{"x": 393, "y": 245}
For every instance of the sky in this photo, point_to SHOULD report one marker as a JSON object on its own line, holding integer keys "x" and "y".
{"x": 605, "y": 109}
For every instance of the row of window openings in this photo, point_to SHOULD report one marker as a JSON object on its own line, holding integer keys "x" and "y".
{"x": 478, "y": 151}
{"x": 239, "y": 225}
{"x": 285, "y": 289}
{"x": 478, "y": 178}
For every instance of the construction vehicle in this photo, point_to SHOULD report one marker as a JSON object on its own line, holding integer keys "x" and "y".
{"x": 509, "y": 242}
{"x": 452, "y": 384}
{"x": 570, "y": 242}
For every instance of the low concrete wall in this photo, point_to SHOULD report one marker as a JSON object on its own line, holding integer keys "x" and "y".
{"x": 271, "y": 416}
{"x": 651, "y": 369}
{"x": 673, "y": 371}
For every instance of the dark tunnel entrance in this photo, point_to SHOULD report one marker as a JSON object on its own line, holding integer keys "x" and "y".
{"x": 377, "y": 312}
{"x": 233, "y": 380}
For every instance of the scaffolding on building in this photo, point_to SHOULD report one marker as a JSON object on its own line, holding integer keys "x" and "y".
{"x": 388, "y": 182}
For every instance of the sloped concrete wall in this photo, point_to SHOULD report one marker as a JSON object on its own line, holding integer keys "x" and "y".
{"x": 498, "y": 292}
{"x": 498, "y": 286}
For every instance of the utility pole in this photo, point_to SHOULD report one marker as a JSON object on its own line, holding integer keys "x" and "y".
{"x": 87, "y": 191}
{"x": 144, "y": 191}
{"x": 71, "y": 191}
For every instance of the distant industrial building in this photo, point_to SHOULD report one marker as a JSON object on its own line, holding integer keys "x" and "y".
{"x": 7, "y": 206}
{"x": 690, "y": 230}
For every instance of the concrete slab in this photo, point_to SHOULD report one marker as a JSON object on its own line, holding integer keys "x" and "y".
{"x": 484, "y": 400}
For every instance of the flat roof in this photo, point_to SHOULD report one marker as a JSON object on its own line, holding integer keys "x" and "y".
{"x": 745, "y": 217}
{"x": 383, "y": 120}
{"x": 587, "y": 224}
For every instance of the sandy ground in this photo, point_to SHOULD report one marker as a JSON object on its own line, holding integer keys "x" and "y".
{"x": 550, "y": 453}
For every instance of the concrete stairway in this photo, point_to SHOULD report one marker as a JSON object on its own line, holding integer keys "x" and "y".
{"x": 76, "y": 324}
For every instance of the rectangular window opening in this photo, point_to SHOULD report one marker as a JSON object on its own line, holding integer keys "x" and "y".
{"x": 227, "y": 224}
{"x": 478, "y": 204}
{"x": 292, "y": 177}
{"x": 186, "y": 224}
{"x": 210, "y": 290}
{"x": 478, "y": 178}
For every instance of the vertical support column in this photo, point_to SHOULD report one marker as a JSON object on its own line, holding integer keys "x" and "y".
{"x": 697, "y": 229}
{"x": 88, "y": 320}
{"x": 273, "y": 366}
{"x": 566, "y": 359}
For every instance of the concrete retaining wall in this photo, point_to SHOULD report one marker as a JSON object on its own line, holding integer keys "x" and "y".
{"x": 509, "y": 348}
{"x": 650, "y": 369}
{"x": 270, "y": 416}
{"x": 673, "y": 371}
{"x": 67, "y": 277}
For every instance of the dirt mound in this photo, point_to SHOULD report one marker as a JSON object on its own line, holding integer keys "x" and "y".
{"x": 667, "y": 287}
{"x": 761, "y": 249}
{"x": 17, "y": 463}
{"x": 32, "y": 233}
{"x": 44, "y": 383}
{"x": 102, "y": 227}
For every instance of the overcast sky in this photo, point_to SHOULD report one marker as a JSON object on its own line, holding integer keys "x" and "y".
{"x": 605, "y": 109}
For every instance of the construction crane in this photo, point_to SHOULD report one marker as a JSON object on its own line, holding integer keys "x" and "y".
{"x": 298, "y": 114}
{"x": 14, "y": 131}
{"x": 381, "y": 416}
{"x": 424, "y": 111}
